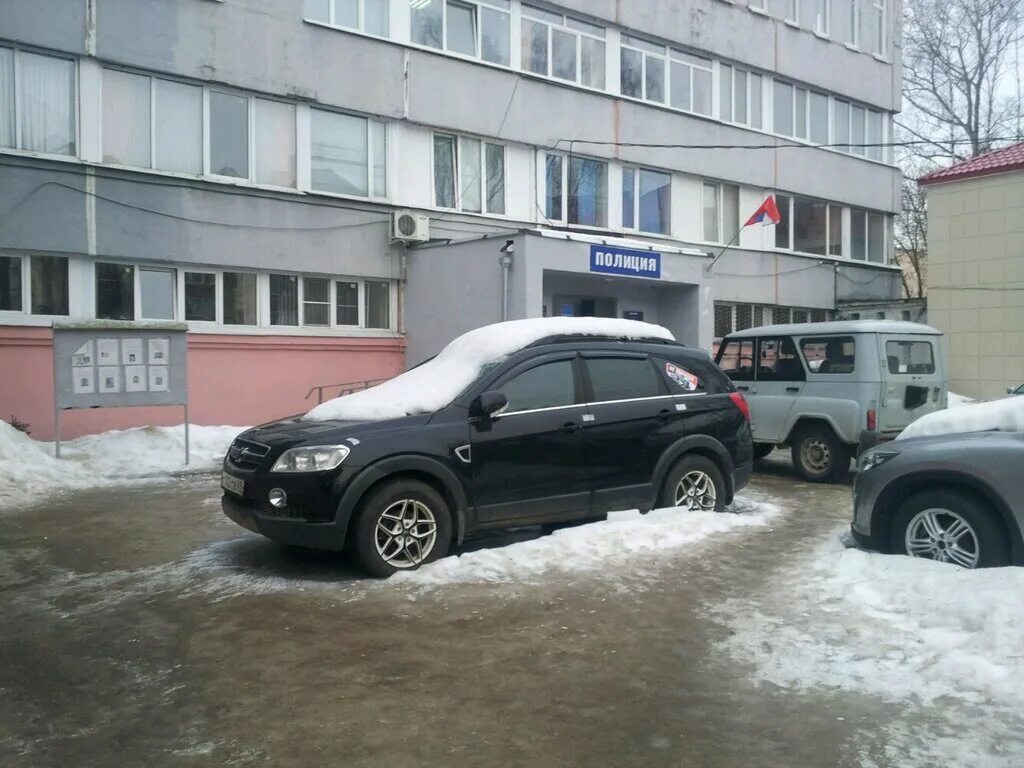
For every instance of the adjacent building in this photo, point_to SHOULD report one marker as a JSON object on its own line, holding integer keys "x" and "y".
{"x": 328, "y": 191}
{"x": 976, "y": 269}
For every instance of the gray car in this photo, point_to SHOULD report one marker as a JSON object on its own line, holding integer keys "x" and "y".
{"x": 953, "y": 498}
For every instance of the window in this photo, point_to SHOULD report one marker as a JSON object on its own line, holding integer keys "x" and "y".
{"x": 178, "y": 127}
{"x": 554, "y": 168}
{"x": 818, "y": 117}
{"x": 841, "y": 125}
{"x": 48, "y": 285}
{"x": 642, "y": 69}
{"x": 547, "y": 386}
{"x": 878, "y": 27}
{"x": 852, "y": 36}
{"x": 691, "y": 84}
{"x": 800, "y": 113}
{"x": 115, "y": 292}
{"x": 868, "y": 240}
{"x": 835, "y": 230}
{"x": 830, "y": 355}
{"x": 810, "y": 225}
{"x": 201, "y": 297}
{"x": 157, "y": 293}
{"x": 346, "y": 303}
{"x": 876, "y": 237}
{"x": 777, "y": 359}
{"x": 37, "y": 102}
{"x": 723, "y": 319}
{"x": 275, "y": 143}
{"x": 873, "y": 134}
{"x": 721, "y": 212}
{"x": 857, "y": 130}
{"x": 378, "y": 304}
{"x": 821, "y": 16}
{"x": 680, "y": 379}
{"x": 910, "y": 357}
{"x": 239, "y": 298}
{"x": 479, "y": 169}
{"x": 229, "y": 135}
{"x": 10, "y": 284}
{"x": 477, "y": 29}
{"x": 744, "y": 317}
{"x": 739, "y": 96}
{"x": 623, "y": 378}
{"x": 736, "y": 359}
{"x": 858, "y": 234}
{"x": 348, "y": 155}
{"x": 579, "y": 189}
{"x": 284, "y": 300}
{"x": 783, "y": 108}
{"x": 647, "y": 200}
{"x": 126, "y": 119}
{"x": 370, "y": 16}
{"x": 316, "y": 301}
{"x": 560, "y": 46}
{"x": 793, "y": 10}
{"x": 905, "y": 315}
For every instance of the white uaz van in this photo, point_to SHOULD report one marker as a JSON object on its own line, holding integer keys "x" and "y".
{"x": 831, "y": 390}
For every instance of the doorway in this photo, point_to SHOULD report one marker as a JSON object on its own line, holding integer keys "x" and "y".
{"x": 584, "y": 306}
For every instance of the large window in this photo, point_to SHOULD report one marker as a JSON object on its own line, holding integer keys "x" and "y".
{"x": 370, "y": 16}
{"x": 178, "y": 127}
{"x": 469, "y": 174}
{"x": 115, "y": 291}
{"x": 647, "y": 200}
{"x": 44, "y": 277}
{"x": 721, "y": 207}
{"x": 790, "y": 109}
{"x": 854, "y": 126}
{"x": 229, "y": 135}
{"x": 812, "y": 221}
{"x": 547, "y": 386}
{"x": 576, "y": 190}
{"x": 739, "y": 94}
{"x": 349, "y": 155}
{"x": 643, "y": 67}
{"x": 690, "y": 78}
{"x": 37, "y": 102}
{"x": 480, "y": 29}
{"x": 561, "y": 46}
{"x": 867, "y": 236}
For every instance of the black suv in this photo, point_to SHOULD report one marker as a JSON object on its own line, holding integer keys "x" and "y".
{"x": 564, "y": 430}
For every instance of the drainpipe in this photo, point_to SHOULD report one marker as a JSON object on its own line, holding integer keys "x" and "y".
{"x": 505, "y": 260}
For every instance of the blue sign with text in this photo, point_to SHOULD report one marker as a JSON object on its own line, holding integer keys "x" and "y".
{"x": 625, "y": 261}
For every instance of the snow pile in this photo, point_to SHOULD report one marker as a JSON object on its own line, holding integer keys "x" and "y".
{"x": 29, "y": 471}
{"x": 625, "y": 538}
{"x": 437, "y": 382}
{"x": 1006, "y": 415}
{"x": 955, "y": 400}
{"x": 896, "y": 627}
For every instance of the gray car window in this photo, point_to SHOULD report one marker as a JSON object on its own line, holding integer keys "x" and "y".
{"x": 547, "y": 386}
{"x": 832, "y": 354}
{"x": 910, "y": 357}
{"x": 777, "y": 360}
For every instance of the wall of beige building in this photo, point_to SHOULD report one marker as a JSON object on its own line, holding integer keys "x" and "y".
{"x": 976, "y": 280}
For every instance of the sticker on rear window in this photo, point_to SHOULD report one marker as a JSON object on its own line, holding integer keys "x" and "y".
{"x": 682, "y": 377}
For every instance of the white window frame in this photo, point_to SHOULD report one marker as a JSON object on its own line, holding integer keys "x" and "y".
{"x": 611, "y": 197}
{"x": 823, "y": 18}
{"x": 749, "y": 90}
{"x": 25, "y": 260}
{"x": 218, "y": 309}
{"x": 155, "y": 266}
{"x": 565, "y": 28}
{"x": 496, "y": 5}
{"x": 758, "y": 6}
{"x": 457, "y": 170}
{"x": 665, "y": 59}
{"x": 637, "y": 170}
{"x": 828, "y": 226}
{"x": 76, "y": 129}
{"x": 878, "y": 9}
{"x": 692, "y": 67}
{"x": 853, "y": 39}
{"x": 792, "y": 13}
{"x": 719, "y": 209}
{"x": 307, "y": 147}
{"x": 361, "y": 20}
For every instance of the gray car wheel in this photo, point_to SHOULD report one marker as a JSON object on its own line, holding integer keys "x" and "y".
{"x": 819, "y": 456}
{"x": 950, "y": 527}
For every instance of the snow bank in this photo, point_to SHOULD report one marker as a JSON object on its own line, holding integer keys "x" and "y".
{"x": 437, "y": 382}
{"x": 1006, "y": 415}
{"x": 625, "y": 538}
{"x": 955, "y": 400}
{"x": 29, "y": 471}
{"x": 897, "y": 627}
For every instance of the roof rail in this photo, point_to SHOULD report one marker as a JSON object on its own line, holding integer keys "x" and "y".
{"x": 577, "y": 338}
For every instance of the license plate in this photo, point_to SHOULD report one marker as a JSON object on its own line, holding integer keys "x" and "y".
{"x": 232, "y": 484}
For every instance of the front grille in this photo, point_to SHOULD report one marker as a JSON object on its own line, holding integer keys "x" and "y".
{"x": 291, "y": 512}
{"x": 247, "y": 454}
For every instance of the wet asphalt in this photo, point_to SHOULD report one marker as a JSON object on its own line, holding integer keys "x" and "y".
{"x": 141, "y": 628}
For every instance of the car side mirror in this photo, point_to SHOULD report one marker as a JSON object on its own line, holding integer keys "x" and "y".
{"x": 487, "y": 405}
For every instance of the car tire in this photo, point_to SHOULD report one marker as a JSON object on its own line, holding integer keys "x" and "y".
{"x": 961, "y": 517}
{"x": 762, "y": 449}
{"x": 401, "y": 525}
{"x": 684, "y": 483}
{"x": 818, "y": 455}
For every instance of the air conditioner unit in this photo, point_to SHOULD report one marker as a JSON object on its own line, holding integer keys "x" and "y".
{"x": 410, "y": 227}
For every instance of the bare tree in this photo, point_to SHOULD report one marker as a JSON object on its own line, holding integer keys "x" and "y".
{"x": 960, "y": 70}
{"x": 911, "y": 233}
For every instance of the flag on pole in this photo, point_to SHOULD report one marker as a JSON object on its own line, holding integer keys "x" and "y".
{"x": 767, "y": 214}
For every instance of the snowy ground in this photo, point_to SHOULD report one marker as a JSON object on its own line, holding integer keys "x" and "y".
{"x": 29, "y": 472}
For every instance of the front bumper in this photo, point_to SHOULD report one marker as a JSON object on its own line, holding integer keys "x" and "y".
{"x": 297, "y": 532}
{"x": 869, "y": 440}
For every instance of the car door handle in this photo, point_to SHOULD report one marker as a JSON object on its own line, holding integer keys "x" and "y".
{"x": 666, "y": 414}
{"x": 570, "y": 426}
{"x": 792, "y": 389}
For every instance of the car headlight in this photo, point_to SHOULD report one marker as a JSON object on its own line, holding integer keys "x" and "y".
{"x": 312, "y": 458}
{"x": 875, "y": 458}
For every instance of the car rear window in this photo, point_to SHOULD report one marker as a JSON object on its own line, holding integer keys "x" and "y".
{"x": 623, "y": 378}
{"x": 831, "y": 354}
{"x": 681, "y": 378}
{"x": 910, "y": 357}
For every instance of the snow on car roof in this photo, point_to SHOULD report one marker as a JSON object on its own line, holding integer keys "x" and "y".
{"x": 1006, "y": 415}
{"x": 437, "y": 382}
{"x": 838, "y": 326}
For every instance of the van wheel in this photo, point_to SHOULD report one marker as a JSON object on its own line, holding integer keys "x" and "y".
{"x": 694, "y": 483}
{"x": 762, "y": 449}
{"x": 950, "y": 527}
{"x": 402, "y": 525}
{"x": 819, "y": 456}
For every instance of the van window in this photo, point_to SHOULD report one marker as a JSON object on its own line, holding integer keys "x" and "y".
{"x": 736, "y": 359}
{"x": 777, "y": 360}
{"x": 832, "y": 354}
{"x": 910, "y": 356}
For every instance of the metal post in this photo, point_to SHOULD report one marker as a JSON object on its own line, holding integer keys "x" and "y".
{"x": 186, "y": 432}
{"x": 56, "y": 406}
{"x": 56, "y": 425}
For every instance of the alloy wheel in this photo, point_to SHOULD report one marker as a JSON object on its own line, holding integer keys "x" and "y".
{"x": 696, "y": 492}
{"x": 942, "y": 535}
{"x": 405, "y": 533}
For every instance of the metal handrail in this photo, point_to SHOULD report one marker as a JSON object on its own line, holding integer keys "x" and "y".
{"x": 347, "y": 388}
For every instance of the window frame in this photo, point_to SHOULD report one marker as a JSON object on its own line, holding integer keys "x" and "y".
{"x": 370, "y": 147}
{"x": 748, "y": 76}
{"x": 637, "y": 171}
{"x": 719, "y": 209}
{"x": 664, "y": 57}
{"x": 482, "y": 179}
{"x": 498, "y": 6}
{"x": 17, "y": 52}
{"x": 579, "y": 400}
{"x": 565, "y": 160}
{"x": 879, "y": 10}
{"x": 565, "y": 28}
{"x": 823, "y": 18}
{"x": 691, "y": 61}
{"x": 361, "y": 20}
{"x": 25, "y": 284}
{"x": 589, "y": 394}
{"x": 801, "y": 348}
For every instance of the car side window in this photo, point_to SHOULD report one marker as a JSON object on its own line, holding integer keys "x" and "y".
{"x": 736, "y": 359}
{"x": 623, "y": 378}
{"x": 681, "y": 379}
{"x": 832, "y": 354}
{"x": 909, "y": 357}
{"x": 549, "y": 385}
{"x": 777, "y": 360}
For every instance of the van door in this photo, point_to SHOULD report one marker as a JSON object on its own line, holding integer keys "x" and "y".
{"x": 913, "y": 380}
{"x": 778, "y": 381}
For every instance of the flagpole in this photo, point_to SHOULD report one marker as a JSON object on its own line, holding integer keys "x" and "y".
{"x": 721, "y": 252}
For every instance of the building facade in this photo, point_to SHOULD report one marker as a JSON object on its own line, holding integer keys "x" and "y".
{"x": 976, "y": 270}
{"x": 239, "y": 165}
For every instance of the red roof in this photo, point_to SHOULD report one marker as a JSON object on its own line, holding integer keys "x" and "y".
{"x": 997, "y": 161}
